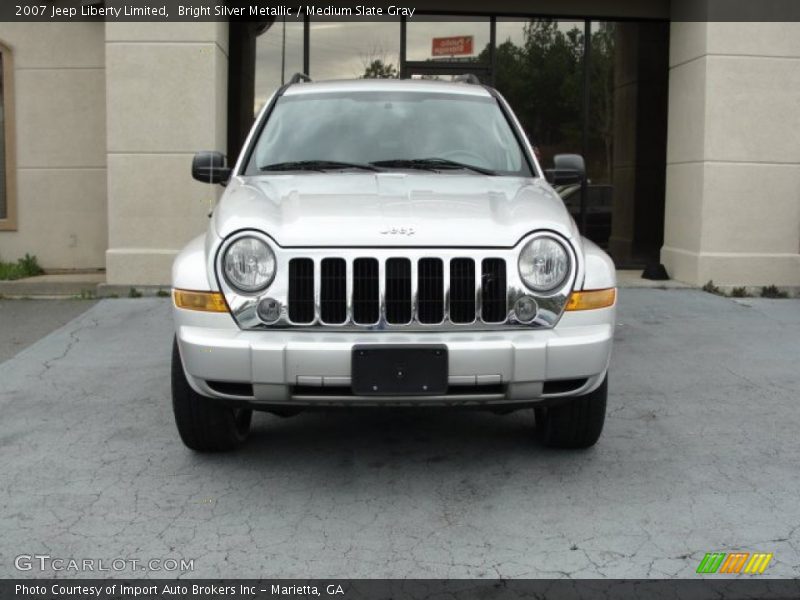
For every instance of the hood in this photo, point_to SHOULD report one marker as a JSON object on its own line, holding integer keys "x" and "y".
{"x": 391, "y": 209}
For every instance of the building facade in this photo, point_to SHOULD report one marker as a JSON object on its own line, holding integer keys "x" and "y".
{"x": 688, "y": 128}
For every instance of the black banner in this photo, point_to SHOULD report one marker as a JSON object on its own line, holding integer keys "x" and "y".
{"x": 338, "y": 10}
{"x": 409, "y": 589}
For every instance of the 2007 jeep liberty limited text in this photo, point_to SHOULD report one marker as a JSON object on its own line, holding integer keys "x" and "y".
{"x": 389, "y": 242}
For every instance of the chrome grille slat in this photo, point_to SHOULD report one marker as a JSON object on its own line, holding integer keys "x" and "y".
{"x": 414, "y": 284}
{"x": 477, "y": 269}
{"x": 446, "y": 288}
{"x": 381, "y": 290}
{"x": 348, "y": 290}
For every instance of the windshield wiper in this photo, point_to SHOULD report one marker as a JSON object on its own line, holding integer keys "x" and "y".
{"x": 430, "y": 164}
{"x": 317, "y": 165}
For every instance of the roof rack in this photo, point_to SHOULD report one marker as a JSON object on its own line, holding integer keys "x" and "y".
{"x": 299, "y": 77}
{"x": 468, "y": 78}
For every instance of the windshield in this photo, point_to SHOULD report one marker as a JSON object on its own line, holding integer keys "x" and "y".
{"x": 388, "y": 130}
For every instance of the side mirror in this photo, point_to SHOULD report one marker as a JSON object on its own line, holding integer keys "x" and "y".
{"x": 568, "y": 168}
{"x": 209, "y": 167}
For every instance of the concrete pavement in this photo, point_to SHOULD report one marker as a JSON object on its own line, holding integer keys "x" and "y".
{"x": 74, "y": 283}
{"x": 700, "y": 454}
{"x": 22, "y": 322}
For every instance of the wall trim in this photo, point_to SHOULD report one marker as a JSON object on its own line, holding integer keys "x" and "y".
{"x": 9, "y": 223}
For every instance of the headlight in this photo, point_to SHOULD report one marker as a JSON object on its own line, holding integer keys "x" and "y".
{"x": 249, "y": 264}
{"x": 543, "y": 264}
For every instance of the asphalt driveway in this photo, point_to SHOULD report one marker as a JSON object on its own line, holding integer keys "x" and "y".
{"x": 22, "y": 322}
{"x": 700, "y": 454}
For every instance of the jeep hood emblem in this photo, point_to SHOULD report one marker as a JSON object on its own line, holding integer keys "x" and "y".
{"x": 397, "y": 231}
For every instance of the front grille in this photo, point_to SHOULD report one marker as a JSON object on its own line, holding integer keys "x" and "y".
{"x": 426, "y": 291}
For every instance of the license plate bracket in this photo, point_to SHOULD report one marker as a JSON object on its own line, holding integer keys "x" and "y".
{"x": 392, "y": 370}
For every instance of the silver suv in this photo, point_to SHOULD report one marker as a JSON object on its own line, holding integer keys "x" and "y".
{"x": 388, "y": 242}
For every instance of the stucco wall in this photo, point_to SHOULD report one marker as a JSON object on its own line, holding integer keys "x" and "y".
{"x": 59, "y": 91}
{"x": 733, "y": 157}
{"x": 166, "y": 87}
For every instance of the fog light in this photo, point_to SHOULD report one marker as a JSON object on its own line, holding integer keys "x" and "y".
{"x": 525, "y": 308}
{"x": 269, "y": 310}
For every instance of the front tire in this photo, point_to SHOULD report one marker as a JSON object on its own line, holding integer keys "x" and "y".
{"x": 205, "y": 425}
{"x": 577, "y": 423}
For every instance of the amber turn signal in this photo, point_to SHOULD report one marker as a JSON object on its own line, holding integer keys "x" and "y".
{"x": 590, "y": 299}
{"x": 205, "y": 301}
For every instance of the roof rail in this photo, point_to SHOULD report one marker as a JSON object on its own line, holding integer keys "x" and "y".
{"x": 468, "y": 78}
{"x": 299, "y": 77}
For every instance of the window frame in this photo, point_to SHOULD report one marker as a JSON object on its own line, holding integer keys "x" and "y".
{"x": 9, "y": 223}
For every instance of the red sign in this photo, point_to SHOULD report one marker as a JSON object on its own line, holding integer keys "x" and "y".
{"x": 460, "y": 45}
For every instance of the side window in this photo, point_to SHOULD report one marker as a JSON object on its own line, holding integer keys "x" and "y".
{"x": 7, "y": 171}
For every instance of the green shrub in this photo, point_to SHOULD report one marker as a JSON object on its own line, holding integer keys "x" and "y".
{"x": 134, "y": 293}
{"x": 739, "y": 292}
{"x": 770, "y": 291}
{"x": 24, "y": 267}
{"x": 712, "y": 289}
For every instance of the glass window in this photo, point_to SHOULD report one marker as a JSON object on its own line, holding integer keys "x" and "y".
{"x": 354, "y": 50}
{"x": 599, "y": 205}
{"x": 363, "y": 127}
{"x": 539, "y": 70}
{"x": 627, "y": 139}
{"x": 279, "y": 55}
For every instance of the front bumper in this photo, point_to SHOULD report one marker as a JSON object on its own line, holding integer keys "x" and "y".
{"x": 313, "y": 367}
